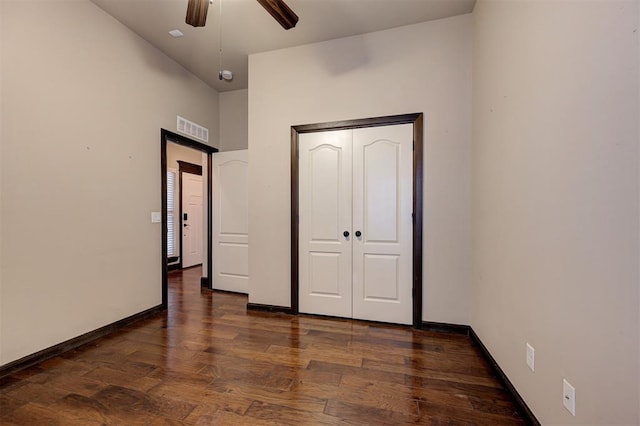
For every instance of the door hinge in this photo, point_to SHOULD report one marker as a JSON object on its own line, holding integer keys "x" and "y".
{"x": 413, "y": 217}
{"x": 414, "y": 144}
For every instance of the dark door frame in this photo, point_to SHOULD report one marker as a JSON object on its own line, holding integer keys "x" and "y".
{"x": 194, "y": 169}
{"x": 418, "y": 176}
{"x": 167, "y": 136}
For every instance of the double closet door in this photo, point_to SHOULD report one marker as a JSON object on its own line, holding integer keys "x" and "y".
{"x": 355, "y": 223}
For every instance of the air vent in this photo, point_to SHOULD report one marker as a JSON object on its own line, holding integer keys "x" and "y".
{"x": 192, "y": 129}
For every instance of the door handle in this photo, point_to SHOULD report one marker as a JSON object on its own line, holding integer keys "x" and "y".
{"x": 346, "y": 234}
{"x": 358, "y": 233}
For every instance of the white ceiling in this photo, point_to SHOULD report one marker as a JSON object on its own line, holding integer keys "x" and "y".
{"x": 248, "y": 28}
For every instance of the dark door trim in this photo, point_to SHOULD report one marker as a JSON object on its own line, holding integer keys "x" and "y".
{"x": 418, "y": 177}
{"x": 167, "y": 136}
{"x": 194, "y": 169}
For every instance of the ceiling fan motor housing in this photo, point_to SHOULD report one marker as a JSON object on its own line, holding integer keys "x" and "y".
{"x": 225, "y": 75}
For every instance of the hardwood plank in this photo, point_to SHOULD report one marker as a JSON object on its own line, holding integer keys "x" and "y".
{"x": 288, "y": 416}
{"x": 289, "y": 399}
{"x": 440, "y": 413}
{"x": 9, "y": 404}
{"x": 338, "y": 357}
{"x": 393, "y": 394}
{"x": 365, "y": 373}
{"x": 201, "y": 395}
{"x": 207, "y": 361}
{"x": 376, "y": 352}
{"x": 81, "y": 410}
{"x": 162, "y": 421}
{"x": 388, "y": 396}
{"x": 427, "y": 367}
{"x": 319, "y": 390}
{"x": 32, "y": 392}
{"x": 120, "y": 378}
{"x": 293, "y": 359}
{"x": 355, "y": 414}
{"x": 204, "y": 416}
{"x": 33, "y": 414}
{"x": 470, "y": 389}
{"x": 72, "y": 384}
{"x": 118, "y": 398}
{"x": 63, "y": 366}
{"x": 225, "y": 366}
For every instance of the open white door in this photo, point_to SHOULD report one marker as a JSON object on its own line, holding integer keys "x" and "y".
{"x": 355, "y": 229}
{"x": 191, "y": 220}
{"x": 231, "y": 221}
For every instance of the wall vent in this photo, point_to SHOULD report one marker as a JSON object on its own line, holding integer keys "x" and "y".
{"x": 192, "y": 129}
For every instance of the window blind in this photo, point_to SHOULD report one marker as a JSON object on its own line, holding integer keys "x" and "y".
{"x": 171, "y": 214}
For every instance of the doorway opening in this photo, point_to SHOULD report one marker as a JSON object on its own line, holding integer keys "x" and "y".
{"x": 190, "y": 212}
{"x": 171, "y": 137}
{"x": 416, "y": 120}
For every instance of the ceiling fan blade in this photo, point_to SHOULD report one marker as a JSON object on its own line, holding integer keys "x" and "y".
{"x": 281, "y": 12}
{"x": 197, "y": 13}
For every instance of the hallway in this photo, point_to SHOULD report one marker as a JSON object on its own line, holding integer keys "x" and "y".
{"x": 207, "y": 361}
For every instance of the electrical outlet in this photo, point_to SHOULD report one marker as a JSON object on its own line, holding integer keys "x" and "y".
{"x": 531, "y": 357}
{"x": 569, "y": 396}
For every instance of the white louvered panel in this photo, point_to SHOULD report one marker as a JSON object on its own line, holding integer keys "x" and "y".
{"x": 192, "y": 129}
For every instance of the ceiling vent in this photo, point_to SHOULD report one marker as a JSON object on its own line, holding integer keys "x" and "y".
{"x": 192, "y": 129}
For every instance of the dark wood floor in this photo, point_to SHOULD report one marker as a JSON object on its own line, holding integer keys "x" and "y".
{"x": 208, "y": 361}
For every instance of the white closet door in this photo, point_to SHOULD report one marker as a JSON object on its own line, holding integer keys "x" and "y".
{"x": 231, "y": 221}
{"x": 382, "y": 209}
{"x": 324, "y": 258}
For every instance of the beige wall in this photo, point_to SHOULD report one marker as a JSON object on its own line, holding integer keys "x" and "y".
{"x": 234, "y": 120}
{"x": 555, "y": 202}
{"x": 419, "y": 68}
{"x": 2, "y": 101}
{"x": 177, "y": 153}
{"x": 83, "y": 103}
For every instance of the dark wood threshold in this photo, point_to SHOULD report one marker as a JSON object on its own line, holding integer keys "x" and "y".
{"x": 286, "y": 310}
{"x": 193, "y": 266}
{"x": 268, "y": 308}
{"x": 363, "y": 321}
{"x": 215, "y": 290}
{"x": 525, "y": 411}
{"x": 68, "y": 345}
{"x": 443, "y": 327}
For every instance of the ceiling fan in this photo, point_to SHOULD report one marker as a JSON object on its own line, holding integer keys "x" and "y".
{"x": 197, "y": 12}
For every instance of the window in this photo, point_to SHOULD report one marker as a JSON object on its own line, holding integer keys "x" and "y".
{"x": 171, "y": 214}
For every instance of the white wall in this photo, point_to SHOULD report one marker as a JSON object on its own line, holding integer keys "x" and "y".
{"x": 555, "y": 202}
{"x": 234, "y": 120}
{"x": 83, "y": 103}
{"x": 419, "y": 68}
